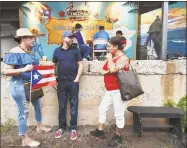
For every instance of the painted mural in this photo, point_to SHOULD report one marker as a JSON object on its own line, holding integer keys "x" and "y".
{"x": 176, "y": 27}
{"x": 50, "y": 19}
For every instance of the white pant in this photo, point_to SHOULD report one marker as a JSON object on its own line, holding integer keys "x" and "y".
{"x": 113, "y": 97}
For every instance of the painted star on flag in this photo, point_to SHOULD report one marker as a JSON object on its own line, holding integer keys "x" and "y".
{"x": 36, "y": 77}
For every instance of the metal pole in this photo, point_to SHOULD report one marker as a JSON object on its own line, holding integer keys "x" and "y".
{"x": 164, "y": 30}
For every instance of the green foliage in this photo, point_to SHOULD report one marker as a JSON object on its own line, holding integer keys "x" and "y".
{"x": 135, "y": 6}
{"x": 25, "y": 10}
{"x": 182, "y": 105}
{"x": 170, "y": 103}
{"x": 8, "y": 125}
{"x": 131, "y": 4}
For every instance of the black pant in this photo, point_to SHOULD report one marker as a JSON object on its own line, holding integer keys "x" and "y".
{"x": 65, "y": 91}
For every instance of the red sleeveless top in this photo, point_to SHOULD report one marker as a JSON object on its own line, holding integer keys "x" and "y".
{"x": 111, "y": 80}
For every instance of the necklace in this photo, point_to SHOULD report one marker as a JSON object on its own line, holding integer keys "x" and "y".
{"x": 25, "y": 50}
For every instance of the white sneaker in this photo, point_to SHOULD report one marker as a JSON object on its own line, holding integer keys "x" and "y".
{"x": 43, "y": 129}
{"x": 30, "y": 142}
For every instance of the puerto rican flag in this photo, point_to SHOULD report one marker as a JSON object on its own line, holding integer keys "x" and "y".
{"x": 70, "y": 7}
{"x": 86, "y": 4}
{"x": 43, "y": 76}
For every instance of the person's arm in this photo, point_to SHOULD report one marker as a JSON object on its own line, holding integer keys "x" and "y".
{"x": 55, "y": 65}
{"x": 79, "y": 73}
{"x": 54, "y": 60}
{"x": 94, "y": 37}
{"x": 9, "y": 70}
{"x": 80, "y": 66}
{"x": 121, "y": 63}
{"x": 110, "y": 63}
{"x": 55, "y": 68}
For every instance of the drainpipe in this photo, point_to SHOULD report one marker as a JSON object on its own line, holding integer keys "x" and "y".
{"x": 164, "y": 30}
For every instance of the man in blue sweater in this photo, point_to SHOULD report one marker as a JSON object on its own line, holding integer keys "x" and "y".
{"x": 84, "y": 48}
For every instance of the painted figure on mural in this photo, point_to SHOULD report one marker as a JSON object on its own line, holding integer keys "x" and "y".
{"x": 37, "y": 47}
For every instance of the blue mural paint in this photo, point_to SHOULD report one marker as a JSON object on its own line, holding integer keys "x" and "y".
{"x": 43, "y": 12}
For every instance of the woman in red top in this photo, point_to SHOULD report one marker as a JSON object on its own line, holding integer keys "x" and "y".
{"x": 116, "y": 61}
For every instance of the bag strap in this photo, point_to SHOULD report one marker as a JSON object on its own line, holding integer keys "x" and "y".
{"x": 117, "y": 58}
{"x": 132, "y": 69}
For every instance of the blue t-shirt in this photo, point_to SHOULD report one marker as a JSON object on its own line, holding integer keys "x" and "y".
{"x": 20, "y": 60}
{"x": 67, "y": 63}
{"x": 101, "y": 34}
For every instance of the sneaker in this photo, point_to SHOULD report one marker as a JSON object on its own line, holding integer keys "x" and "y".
{"x": 97, "y": 133}
{"x": 30, "y": 142}
{"x": 115, "y": 141}
{"x": 73, "y": 134}
{"x": 59, "y": 133}
{"x": 43, "y": 129}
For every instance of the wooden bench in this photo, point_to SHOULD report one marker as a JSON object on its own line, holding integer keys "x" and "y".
{"x": 175, "y": 116}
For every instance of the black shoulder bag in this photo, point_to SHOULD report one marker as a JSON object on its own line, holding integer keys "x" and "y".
{"x": 129, "y": 83}
{"x": 35, "y": 94}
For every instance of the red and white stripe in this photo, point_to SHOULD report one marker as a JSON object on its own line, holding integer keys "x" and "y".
{"x": 70, "y": 6}
{"x": 48, "y": 75}
{"x": 86, "y": 4}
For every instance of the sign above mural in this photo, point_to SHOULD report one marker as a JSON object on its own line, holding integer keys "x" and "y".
{"x": 51, "y": 19}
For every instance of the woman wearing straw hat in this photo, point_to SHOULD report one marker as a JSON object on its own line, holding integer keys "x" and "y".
{"x": 18, "y": 64}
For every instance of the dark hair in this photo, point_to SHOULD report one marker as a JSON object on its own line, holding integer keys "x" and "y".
{"x": 116, "y": 41}
{"x": 78, "y": 26}
{"x": 119, "y": 32}
{"x": 101, "y": 28}
{"x": 18, "y": 40}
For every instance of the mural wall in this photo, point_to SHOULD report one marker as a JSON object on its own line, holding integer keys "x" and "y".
{"x": 176, "y": 27}
{"x": 50, "y": 19}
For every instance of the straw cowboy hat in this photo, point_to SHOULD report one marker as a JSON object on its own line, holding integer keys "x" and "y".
{"x": 23, "y": 32}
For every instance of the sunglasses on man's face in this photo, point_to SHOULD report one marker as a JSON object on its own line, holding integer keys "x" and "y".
{"x": 70, "y": 37}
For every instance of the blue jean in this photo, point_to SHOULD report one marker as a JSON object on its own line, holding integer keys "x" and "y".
{"x": 18, "y": 94}
{"x": 65, "y": 91}
{"x": 85, "y": 50}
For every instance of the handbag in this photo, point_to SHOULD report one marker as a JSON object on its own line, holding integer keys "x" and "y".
{"x": 129, "y": 83}
{"x": 35, "y": 94}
